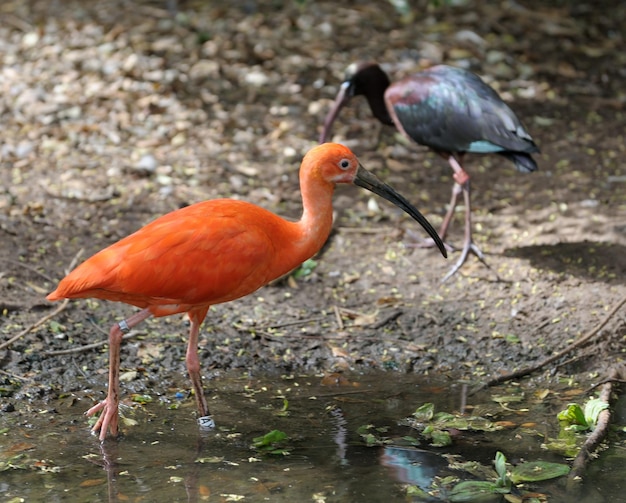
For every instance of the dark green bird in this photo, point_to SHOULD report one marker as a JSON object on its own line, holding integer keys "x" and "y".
{"x": 450, "y": 110}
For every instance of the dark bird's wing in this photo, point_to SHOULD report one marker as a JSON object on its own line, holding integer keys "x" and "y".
{"x": 453, "y": 110}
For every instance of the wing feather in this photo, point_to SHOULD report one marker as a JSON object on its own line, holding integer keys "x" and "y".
{"x": 452, "y": 110}
{"x": 180, "y": 258}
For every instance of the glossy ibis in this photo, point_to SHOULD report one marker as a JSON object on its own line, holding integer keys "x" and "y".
{"x": 450, "y": 110}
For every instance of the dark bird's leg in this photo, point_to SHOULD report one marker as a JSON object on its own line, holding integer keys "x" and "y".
{"x": 461, "y": 185}
{"x": 460, "y": 179}
{"x": 468, "y": 243}
{"x": 443, "y": 230}
{"x": 193, "y": 367}
{"x": 109, "y": 418}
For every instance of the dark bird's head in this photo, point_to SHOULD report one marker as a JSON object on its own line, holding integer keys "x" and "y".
{"x": 365, "y": 78}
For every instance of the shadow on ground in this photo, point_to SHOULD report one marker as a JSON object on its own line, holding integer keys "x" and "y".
{"x": 587, "y": 259}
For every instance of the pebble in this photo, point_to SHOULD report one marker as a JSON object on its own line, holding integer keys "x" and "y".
{"x": 147, "y": 163}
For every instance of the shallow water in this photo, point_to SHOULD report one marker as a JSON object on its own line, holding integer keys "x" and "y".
{"x": 51, "y": 456}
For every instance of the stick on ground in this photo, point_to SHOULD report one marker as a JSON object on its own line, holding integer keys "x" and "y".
{"x": 580, "y": 342}
{"x": 48, "y": 316}
{"x": 594, "y": 438}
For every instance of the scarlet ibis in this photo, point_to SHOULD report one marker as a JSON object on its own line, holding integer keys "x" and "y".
{"x": 213, "y": 252}
{"x": 450, "y": 110}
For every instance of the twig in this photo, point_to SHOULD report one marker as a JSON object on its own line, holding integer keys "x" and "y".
{"x": 291, "y": 323}
{"x": 87, "y": 347}
{"x": 594, "y": 439}
{"x": 387, "y": 319}
{"x": 12, "y": 376}
{"x": 98, "y": 328}
{"x": 11, "y": 306}
{"x": 603, "y": 382}
{"x": 39, "y": 322}
{"x": 281, "y": 337}
{"x": 30, "y": 268}
{"x": 93, "y": 199}
{"x": 342, "y": 393}
{"x": 338, "y": 317}
{"x": 74, "y": 260}
{"x": 580, "y": 342}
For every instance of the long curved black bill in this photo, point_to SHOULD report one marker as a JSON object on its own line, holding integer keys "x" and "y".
{"x": 372, "y": 183}
{"x": 343, "y": 96}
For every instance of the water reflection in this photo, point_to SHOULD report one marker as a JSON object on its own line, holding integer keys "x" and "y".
{"x": 339, "y": 434}
{"x": 165, "y": 458}
{"x": 110, "y": 450}
{"x": 413, "y": 466}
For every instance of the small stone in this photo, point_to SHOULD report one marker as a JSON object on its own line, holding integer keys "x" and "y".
{"x": 147, "y": 163}
{"x": 256, "y": 78}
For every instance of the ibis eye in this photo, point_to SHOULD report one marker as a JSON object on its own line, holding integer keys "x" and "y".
{"x": 344, "y": 164}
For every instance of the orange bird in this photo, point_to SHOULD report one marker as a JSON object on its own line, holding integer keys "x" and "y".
{"x": 212, "y": 252}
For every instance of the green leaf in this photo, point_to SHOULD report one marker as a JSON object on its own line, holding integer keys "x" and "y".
{"x": 417, "y": 492}
{"x": 512, "y": 338}
{"x": 143, "y": 399}
{"x": 56, "y": 327}
{"x": 500, "y": 464}
{"x": 573, "y": 415}
{"x": 284, "y": 412}
{"x": 507, "y": 398}
{"x": 267, "y": 440}
{"x": 566, "y": 444}
{"x": 305, "y": 269}
{"x": 592, "y": 410}
{"x": 370, "y": 439}
{"x": 475, "y": 469}
{"x": 425, "y": 412}
{"x": 408, "y": 439}
{"x": 440, "y": 438}
{"x": 534, "y": 471}
{"x": 364, "y": 429}
{"x": 475, "y": 491}
{"x": 444, "y": 417}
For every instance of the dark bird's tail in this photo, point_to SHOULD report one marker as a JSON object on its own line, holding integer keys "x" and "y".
{"x": 524, "y": 163}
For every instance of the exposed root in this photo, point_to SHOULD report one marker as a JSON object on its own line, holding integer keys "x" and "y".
{"x": 594, "y": 439}
{"x": 32, "y": 327}
{"x": 87, "y": 347}
{"x": 387, "y": 319}
{"x": 29, "y": 268}
{"x": 580, "y": 342}
{"x": 47, "y": 317}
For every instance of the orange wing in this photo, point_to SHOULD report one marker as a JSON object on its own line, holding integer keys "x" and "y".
{"x": 204, "y": 254}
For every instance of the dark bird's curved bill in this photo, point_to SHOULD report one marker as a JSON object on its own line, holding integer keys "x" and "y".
{"x": 343, "y": 96}
{"x": 372, "y": 183}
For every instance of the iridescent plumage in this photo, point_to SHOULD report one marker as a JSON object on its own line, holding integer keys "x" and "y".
{"x": 448, "y": 109}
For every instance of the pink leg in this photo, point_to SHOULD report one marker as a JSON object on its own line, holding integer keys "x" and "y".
{"x": 456, "y": 190}
{"x": 461, "y": 185}
{"x": 193, "y": 364}
{"x": 468, "y": 244}
{"x": 461, "y": 178}
{"x": 109, "y": 418}
{"x": 443, "y": 230}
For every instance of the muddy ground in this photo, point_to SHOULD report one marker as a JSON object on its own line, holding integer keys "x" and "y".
{"x": 115, "y": 112}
